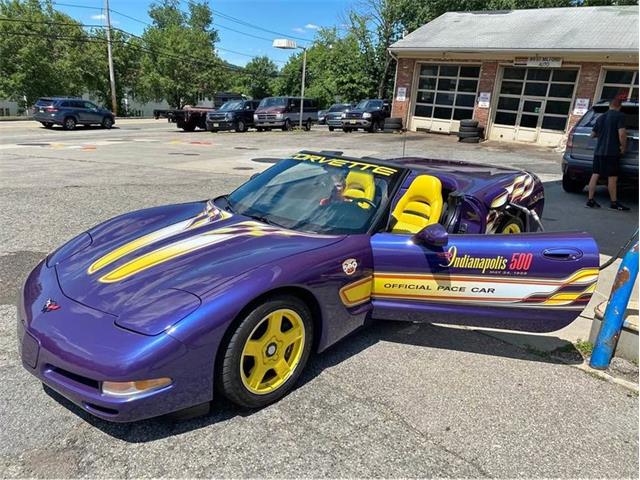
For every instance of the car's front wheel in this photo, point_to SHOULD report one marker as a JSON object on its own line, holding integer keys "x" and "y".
{"x": 267, "y": 352}
{"x": 572, "y": 185}
{"x": 241, "y": 126}
{"x": 47, "y": 124}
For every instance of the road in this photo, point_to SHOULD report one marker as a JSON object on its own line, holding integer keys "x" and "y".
{"x": 392, "y": 400}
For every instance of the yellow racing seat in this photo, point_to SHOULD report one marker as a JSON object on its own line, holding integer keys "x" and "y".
{"x": 420, "y": 206}
{"x": 360, "y": 185}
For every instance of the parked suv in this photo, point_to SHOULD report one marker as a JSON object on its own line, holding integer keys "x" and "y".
{"x": 577, "y": 162}
{"x": 233, "y": 115}
{"x": 333, "y": 116}
{"x": 284, "y": 112}
{"x": 368, "y": 115}
{"x": 70, "y": 112}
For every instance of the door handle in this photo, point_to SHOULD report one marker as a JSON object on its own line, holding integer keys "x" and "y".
{"x": 567, "y": 253}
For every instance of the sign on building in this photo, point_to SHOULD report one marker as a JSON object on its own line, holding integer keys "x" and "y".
{"x": 484, "y": 99}
{"x": 540, "y": 62}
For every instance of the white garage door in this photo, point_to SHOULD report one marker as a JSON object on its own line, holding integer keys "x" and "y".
{"x": 446, "y": 93}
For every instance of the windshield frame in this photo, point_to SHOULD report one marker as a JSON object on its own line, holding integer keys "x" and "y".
{"x": 378, "y": 220}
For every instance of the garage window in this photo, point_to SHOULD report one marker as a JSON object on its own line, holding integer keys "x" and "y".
{"x": 447, "y": 92}
{"x": 535, "y": 97}
{"x": 620, "y": 83}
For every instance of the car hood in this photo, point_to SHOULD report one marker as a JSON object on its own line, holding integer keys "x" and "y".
{"x": 188, "y": 248}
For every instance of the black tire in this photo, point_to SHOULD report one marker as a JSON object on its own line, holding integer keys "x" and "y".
{"x": 469, "y": 123}
{"x": 391, "y": 124}
{"x": 375, "y": 127}
{"x": 469, "y": 140}
{"x": 107, "y": 122}
{"x": 69, "y": 123}
{"x": 346, "y": 129}
{"x": 259, "y": 129}
{"x": 47, "y": 124}
{"x": 470, "y": 129}
{"x": 331, "y": 129}
{"x": 307, "y": 125}
{"x": 241, "y": 126}
{"x": 511, "y": 223}
{"x": 189, "y": 127}
{"x": 573, "y": 185}
{"x": 393, "y": 121}
{"x": 468, "y": 134}
{"x": 287, "y": 125}
{"x": 229, "y": 378}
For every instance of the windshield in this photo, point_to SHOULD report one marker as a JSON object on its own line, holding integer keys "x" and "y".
{"x": 274, "y": 102}
{"x": 317, "y": 194}
{"x": 339, "y": 108}
{"x": 231, "y": 105}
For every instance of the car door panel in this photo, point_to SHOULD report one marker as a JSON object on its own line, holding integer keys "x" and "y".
{"x": 532, "y": 282}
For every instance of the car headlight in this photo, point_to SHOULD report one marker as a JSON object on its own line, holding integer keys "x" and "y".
{"x": 255, "y": 117}
{"x": 366, "y": 115}
{"x": 124, "y": 389}
{"x": 228, "y": 116}
{"x": 279, "y": 116}
{"x": 344, "y": 115}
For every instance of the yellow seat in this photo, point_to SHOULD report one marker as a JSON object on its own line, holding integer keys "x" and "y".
{"x": 420, "y": 206}
{"x": 360, "y": 185}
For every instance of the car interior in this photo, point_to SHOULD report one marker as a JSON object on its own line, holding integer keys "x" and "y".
{"x": 420, "y": 206}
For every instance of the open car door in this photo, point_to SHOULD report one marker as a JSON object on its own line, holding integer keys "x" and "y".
{"x": 537, "y": 282}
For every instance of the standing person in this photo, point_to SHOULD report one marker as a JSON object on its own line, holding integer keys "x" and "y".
{"x": 611, "y": 136}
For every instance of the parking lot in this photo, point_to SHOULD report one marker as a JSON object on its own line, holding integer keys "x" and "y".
{"x": 393, "y": 400}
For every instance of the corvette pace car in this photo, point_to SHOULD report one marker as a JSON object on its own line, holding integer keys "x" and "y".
{"x": 161, "y": 309}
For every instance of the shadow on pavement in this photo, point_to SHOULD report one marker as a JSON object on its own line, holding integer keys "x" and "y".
{"x": 611, "y": 229}
{"x": 405, "y": 333}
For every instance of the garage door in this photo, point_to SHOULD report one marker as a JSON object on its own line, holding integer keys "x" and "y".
{"x": 533, "y": 104}
{"x": 446, "y": 93}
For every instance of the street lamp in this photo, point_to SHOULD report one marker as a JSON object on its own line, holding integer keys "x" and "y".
{"x": 286, "y": 44}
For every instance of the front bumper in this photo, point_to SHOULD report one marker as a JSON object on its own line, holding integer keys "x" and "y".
{"x": 355, "y": 123}
{"x": 269, "y": 123}
{"x": 220, "y": 125}
{"x": 73, "y": 349}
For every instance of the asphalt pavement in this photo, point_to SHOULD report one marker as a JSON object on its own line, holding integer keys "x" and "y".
{"x": 392, "y": 400}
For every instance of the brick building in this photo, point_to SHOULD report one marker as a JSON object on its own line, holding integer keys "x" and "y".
{"x": 525, "y": 75}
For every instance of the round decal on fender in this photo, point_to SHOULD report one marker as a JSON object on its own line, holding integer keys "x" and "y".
{"x": 350, "y": 266}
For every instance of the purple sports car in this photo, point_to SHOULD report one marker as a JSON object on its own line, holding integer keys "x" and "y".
{"x": 159, "y": 309}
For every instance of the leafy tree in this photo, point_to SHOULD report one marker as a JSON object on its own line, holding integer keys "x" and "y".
{"x": 180, "y": 63}
{"x": 40, "y": 50}
{"x": 257, "y": 78}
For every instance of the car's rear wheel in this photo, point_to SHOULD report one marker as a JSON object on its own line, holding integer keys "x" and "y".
{"x": 107, "y": 122}
{"x": 307, "y": 125}
{"x": 69, "y": 123}
{"x": 512, "y": 225}
{"x": 287, "y": 125}
{"x": 47, "y": 124}
{"x": 572, "y": 185}
{"x": 267, "y": 352}
{"x": 331, "y": 129}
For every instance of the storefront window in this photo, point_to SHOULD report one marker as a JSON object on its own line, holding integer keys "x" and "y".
{"x": 441, "y": 87}
{"x": 620, "y": 84}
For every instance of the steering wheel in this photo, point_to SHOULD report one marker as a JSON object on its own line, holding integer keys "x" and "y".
{"x": 363, "y": 200}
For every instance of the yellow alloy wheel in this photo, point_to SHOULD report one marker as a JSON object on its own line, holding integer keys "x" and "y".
{"x": 512, "y": 228}
{"x": 272, "y": 352}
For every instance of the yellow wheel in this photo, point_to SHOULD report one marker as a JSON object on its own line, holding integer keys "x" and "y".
{"x": 267, "y": 352}
{"x": 272, "y": 351}
{"x": 511, "y": 226}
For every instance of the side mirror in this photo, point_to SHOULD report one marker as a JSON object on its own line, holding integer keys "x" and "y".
{"x": 432, "y": 236}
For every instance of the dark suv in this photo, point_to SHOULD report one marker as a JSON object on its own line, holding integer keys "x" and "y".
{"x": 233, "y": 115}
{"x": 333, "y": 116}
{"x": 368, "y": 115}
{"x": 577, "y": 162}
{"x": 70, "y": 112}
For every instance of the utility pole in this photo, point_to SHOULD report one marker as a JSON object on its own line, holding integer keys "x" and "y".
{"x": 112, "y": 78}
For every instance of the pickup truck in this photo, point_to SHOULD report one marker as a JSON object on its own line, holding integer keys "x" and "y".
{"x": 189, "y": 118}
{"x": 368, "y": 115}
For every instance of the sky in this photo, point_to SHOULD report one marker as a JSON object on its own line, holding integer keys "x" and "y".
{"x": 296, "y": 18}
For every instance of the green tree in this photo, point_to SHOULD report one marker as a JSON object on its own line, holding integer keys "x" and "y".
{"x": 40, "y": 52}
{"x": 126, "y": 62}
{"x": 257, "y": 78}
{"x": 180, "y": 63}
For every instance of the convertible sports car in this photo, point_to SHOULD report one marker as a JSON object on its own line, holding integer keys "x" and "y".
{"x": 156, "y": 310}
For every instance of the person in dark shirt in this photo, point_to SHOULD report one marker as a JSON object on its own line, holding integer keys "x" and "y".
{"x": 611, "y": 144}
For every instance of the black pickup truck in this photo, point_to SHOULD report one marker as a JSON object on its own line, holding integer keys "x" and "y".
{"x": 189, "y": 118}
{"x": 368, "y": 115}
{"x": 233, "y": 115}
